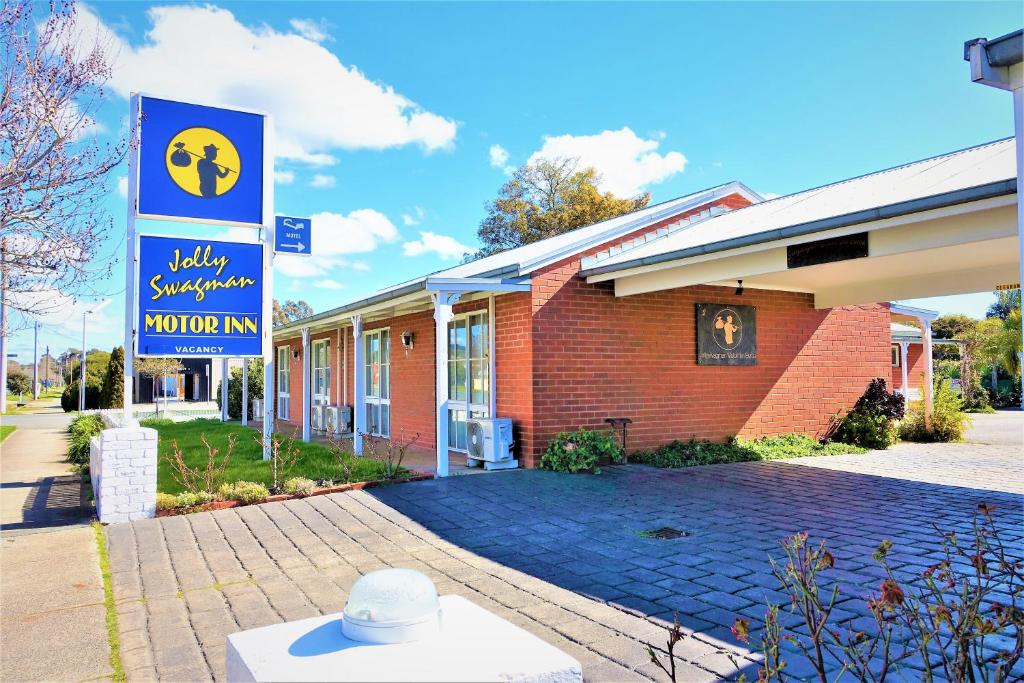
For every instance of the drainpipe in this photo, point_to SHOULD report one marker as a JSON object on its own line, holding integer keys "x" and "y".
{"x": 999, "y": 63}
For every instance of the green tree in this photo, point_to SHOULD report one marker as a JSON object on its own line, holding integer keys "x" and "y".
{"x": 235, "y": 388}
{"x": 290, "y": 311}
{"x": 949, "y": 326}
{"x": 1004, "y": 304}
{"x": 96, "y": 363}
{"x": 112, "y": 393}
{"x": 19, "y": 383}
{"x": 547, "y": 198}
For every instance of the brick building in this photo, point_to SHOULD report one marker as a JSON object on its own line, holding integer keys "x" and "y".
{"x": 569, "y": 331}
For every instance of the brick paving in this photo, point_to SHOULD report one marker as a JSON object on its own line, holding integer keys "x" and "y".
{"x": 561, "y": 555}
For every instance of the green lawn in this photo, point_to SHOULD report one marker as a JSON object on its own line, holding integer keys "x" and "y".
{"x": 316, "y": 461}
{"x": 6, "y": 431}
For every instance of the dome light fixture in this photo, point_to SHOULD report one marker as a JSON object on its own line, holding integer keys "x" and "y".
{"x": 392, "y": 606}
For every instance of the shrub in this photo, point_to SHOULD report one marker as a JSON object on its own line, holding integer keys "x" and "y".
{"x": 112, "y": 389}
{"x": 693, "y": 452}
{"x": 299, "y": 486}
{"x": 872, "y": 421}
{"x": 203, "y": 478}
{"x": 580, "y": 451}
{"x": 165, "y": 501}
{"x": 948, "y": 419}
{"x": 80, "y": 431}
{"x": 69, "y": 399}
{"x": 235, "y": 388}
{"x": 244, "y": 492}
{"x": 19, "y": 383}
{"x": 189, "y": 499}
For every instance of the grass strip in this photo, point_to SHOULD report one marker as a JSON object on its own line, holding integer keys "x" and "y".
{"x": 113, "y": 638}
{"x": 6, "y": 431}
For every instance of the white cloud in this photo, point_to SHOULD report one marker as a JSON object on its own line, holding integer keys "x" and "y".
{"x": 284, "y": 177}
{"x": 499, "y": 159}
{"x": 319, "y": 104}
{"x": 413, "y": 217}
{"x": 335, "y": 237}
{"x": 122, "y": 186}
{"x": 626, "y": 162}
{"x": 321, "y": 181}
{"x": 361, "y": 266}
{"x": 308, "y": 28}
{"x": 444, "y": 246}
{"x": 328, "y": 283}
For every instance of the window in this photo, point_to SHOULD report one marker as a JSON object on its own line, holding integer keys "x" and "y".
{"x": 895, "y": 355}
{"x": 377, "y": 378}
{"x": 469, "y": 390}
{"x": 321, "y": 372}
{"x": 283, "y": 380}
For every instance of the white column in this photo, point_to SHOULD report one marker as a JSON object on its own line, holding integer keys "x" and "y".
{"x": 339, "y": 376}
{"x": 245, "y": 391}
{"x": 443, "y": 302}
{"x": 130, "y": 295}
{"x": 305, "y": 384}
{"x": 928, "y": 389}
{"x": 358, "y": 387}
{"x": 903, "y": 367}
{"x": 225, "y": 371}
{"x": 1018, "y": 128}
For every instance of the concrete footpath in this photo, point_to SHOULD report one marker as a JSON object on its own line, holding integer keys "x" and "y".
{"x": 53, "y": 625}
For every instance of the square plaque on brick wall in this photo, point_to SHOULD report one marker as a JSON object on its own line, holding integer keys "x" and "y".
{"x": 726, "y": 334}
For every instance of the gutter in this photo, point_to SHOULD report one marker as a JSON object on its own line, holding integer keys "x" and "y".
{"x": 996, "y": 189}
{"x": 416, "y": 286}
{"x": 1002, "y": 51}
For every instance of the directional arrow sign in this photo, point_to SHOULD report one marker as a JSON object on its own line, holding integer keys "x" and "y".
{"x": 292, "y": 235}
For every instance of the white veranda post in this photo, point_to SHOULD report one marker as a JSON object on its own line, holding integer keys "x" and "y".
{"x": 305, "y": 384}
{"x": 443, "y": 302}
{"x": 245, "y": 391}
{"x": 358, "y": 387}
{"x": 929, "y": 381}
{"x": 224, "y": 372}
{"x": 903, "y": 368}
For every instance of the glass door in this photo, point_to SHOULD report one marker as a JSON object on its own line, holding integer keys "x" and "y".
{"x": 377, "y": 369}
{"x": 283, "y": 381}
{"x": 321, "y": 373}
{"x": 469, "y": 387}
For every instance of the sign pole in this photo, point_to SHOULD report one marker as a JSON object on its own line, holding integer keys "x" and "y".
{"x": 269, "y": 243}
{"x": 128, "y": 420}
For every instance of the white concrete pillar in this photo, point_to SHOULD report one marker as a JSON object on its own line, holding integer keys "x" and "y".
{"x": 305, "y": 384}
{"x": 903, "y": 367}
{"x": 928, "y": 390}
{"x": 443, "y": 302}
{"x": 245, "y": 391}
{"x": 225, "y": 373}
{"x": 358, "y": 387}
{"x": 1018, "y": 128}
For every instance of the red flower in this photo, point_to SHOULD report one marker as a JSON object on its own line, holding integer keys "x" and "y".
{"x": 892, "y": 594}
{"x": 741, "y": 630}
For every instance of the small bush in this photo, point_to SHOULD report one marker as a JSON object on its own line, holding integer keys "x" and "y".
{"x": 244, "y": 492}
{"x": 872, "y": 421}
{"x": 693, "y": 452}
{"x": 80, "y": 431}
{"x": 189, "y": 499}
{"x": 19, "y": 383}
{"x": 165, "y": 501}
{"x": 299, "y": 486}
{"x": 580, "y": 451}
{"x": 69, "y": 399}
{"x": 948, "y": 419}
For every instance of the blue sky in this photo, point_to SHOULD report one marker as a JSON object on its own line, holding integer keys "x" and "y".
{"x": 397, "y": 120}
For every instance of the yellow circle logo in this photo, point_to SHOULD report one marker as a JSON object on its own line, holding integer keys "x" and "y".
{"x": 203, "y": 162}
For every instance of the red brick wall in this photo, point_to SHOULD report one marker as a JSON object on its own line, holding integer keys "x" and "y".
{"x": 915, "y": 368}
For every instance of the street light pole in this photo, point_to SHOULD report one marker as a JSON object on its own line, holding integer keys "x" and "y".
{"x": 35, "y": 363}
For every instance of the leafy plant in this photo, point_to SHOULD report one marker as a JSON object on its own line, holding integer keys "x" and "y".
{"x": 872, "y": 421}
{"x": 959, "y": 620}
{"x": 580, "y": 451}
{"x": 80, "y": 432}
{"x": 69, "y": 397}
{"x": 235, "y": 389}
{"x": 166, "y": 501}
{"x": 948, "y": 419}
{"x": 203, "y": 479}
{"x": 19, "y": 383}
{"x": 112, "y": 389}
{"x": 299, "y": 486}
{"x": 699, "y": 452}
{"x": 244, "y": 492}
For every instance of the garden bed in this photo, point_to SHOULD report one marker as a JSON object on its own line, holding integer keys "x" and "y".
{"x": 693, "y": 452}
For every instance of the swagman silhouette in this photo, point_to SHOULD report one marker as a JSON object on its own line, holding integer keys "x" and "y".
{"x": 727, "y": 327}
{"x": 209, "y": 172}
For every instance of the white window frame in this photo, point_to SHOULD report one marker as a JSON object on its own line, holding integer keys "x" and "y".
{"x": 470, "y": 409}
{"x": 321, "y": 373}
{"x": 895, "y": 355}
{"x": 284, "y": 377}
{"x": 370, "y": 400}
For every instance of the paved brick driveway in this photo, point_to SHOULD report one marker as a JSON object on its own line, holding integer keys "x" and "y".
{"x": 560, "y": 555}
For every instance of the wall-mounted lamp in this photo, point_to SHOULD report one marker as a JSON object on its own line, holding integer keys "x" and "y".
{"x": 739, "y": 288}
{"x": 407, "y": 339}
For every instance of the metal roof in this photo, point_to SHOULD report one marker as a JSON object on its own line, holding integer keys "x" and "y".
{"x": 957, "y": 177}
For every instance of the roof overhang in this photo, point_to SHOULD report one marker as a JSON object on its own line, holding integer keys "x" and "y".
{"x": 952, "y": 243}
{"x": 408, "y": 298}
{"x": 997, "y": 62}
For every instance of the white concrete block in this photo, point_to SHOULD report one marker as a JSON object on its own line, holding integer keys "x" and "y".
{"x": 474, "y": 645}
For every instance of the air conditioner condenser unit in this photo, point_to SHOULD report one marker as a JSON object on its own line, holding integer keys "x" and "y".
{"x": 490, "y": 443}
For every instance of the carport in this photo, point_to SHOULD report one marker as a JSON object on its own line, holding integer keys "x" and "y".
{"x": 945, "y": 225}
